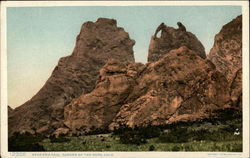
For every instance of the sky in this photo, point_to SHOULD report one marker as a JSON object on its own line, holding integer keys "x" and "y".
{"x": 37, "y": 37}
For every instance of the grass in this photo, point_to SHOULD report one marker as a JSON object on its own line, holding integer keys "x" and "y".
{"x": 112, "y": 143}
{"x": 215, "y": 134}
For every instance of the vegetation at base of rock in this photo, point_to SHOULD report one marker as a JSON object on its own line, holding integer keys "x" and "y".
{"x": 219, "y": 128}
{"x": 94, "y": 143}
{"x": 136, "y": 135}
{"x": 205, "y": 135}
{"x": 25, "y": 142}
{"x": 59, "y": 139}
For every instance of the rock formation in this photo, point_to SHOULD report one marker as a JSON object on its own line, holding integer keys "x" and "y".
{"x": 97, "y": 109}
{"x": 100, "y": 86}
{"x": 74, "y": 75}
{"x": 172, "y": 38}
{"x": 226, "y": 54}
{"x": 179, "y": 86}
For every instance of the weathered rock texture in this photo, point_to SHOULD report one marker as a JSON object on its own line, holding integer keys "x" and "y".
{"x": 172, "y": 38}
{"x": 97, "y": 109}
{"x": 179, "y": 86}
{"x": 178, "y": 83}
{"x": 236, "y": 90}
{"x": 74, "y": 75}
{"x": 226, "y": 54}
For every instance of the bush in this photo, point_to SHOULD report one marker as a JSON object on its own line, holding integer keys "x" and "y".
{"x": 136, "y": 135}
{"x": 25, "y": 142}
{"x": 176, "y": 148}
{"x": 151, "y": 148}
{"x": 59, "y": 139}
{"x": 94, "y": 131}
{"x": 237, "y": 147}
{"x": 228, "y": 114}
{"x": 177, "y": 135}
{"x": 188, "y": 148}
{"x": 108, "y": 146}
{"x": 132, "y": 137}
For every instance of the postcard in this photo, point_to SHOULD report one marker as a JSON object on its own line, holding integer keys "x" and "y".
{"x": 125, "y": 79}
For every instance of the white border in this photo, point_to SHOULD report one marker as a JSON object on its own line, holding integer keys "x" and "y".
{"x": 119, "y": 3}
{"x": 245, "y": 79}
{"x": 245, "y": 50}
{"x": 4, "y": 129}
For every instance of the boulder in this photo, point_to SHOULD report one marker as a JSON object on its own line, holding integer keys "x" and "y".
{"x": 60, "y": 132}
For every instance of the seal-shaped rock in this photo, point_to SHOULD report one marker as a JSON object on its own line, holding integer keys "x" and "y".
{"x": 171, "y": 38}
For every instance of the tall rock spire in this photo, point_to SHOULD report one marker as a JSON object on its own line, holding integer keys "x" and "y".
{"x": 74, "y": 75}
{"x": 226, "y": 54}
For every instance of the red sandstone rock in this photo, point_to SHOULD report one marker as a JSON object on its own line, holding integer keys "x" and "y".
{"x": 172, "y": 38}
{"x": 179, "y": 86}
{"x": 74, "y": 75}
{"x": 97, "y": 109}
{"x": 226, "y": 54}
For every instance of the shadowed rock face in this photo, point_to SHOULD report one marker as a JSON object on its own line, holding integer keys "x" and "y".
{"x": 74, "y": 75}
{"x": 179, "y": 86}
{"x": 172, "y": 38}
{"x": 226, "y": 54}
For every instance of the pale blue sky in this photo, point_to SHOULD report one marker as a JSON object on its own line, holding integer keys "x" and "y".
{"x": 38, "y": 36}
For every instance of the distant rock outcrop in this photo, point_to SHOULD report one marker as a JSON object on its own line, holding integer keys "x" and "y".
{"x": 172, "y": 38}
{"x": 226, "y": 54}
{"x": 179, "y": 86}
{"x": 74, "y": 75}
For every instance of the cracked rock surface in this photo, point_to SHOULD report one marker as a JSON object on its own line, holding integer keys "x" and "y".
{"x": 226, "y": 54}
{"x": 179, "y": 86}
